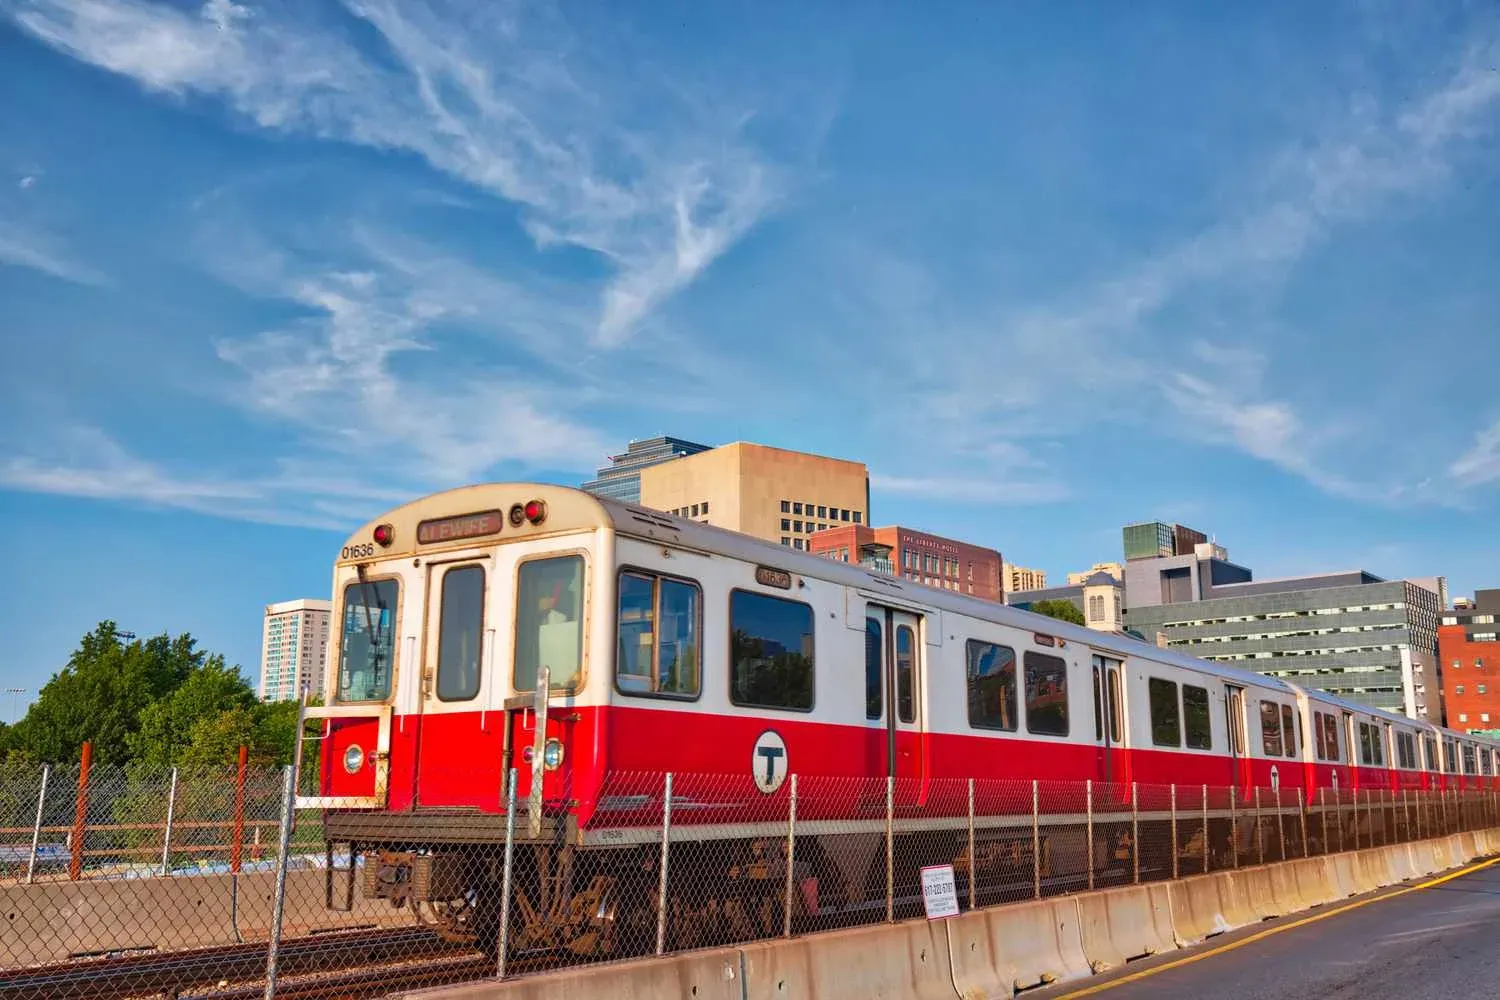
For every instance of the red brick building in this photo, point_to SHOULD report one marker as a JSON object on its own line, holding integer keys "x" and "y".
{"x": 1469, "y": 656}
{"x": 917, "y": 556}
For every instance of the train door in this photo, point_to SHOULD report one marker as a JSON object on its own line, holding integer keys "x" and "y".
{"x": 898, "y": 635}
{"x": 456, "y": 648}
{"x": 1239, "y": 755}
{"x": 1355, "y": 761}
{"x": 1113, "y": 761}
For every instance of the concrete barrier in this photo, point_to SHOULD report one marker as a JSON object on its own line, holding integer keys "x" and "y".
{"x": 1372, "y": 869}
{"x": 1345, "y": 878}
{"x": 1120, "y": 924}
{"x": 907, "y": 961}
{"x": 1315, "y": 882}
{"x": 1001, "y": 951}
{"x": 694, "y": 975}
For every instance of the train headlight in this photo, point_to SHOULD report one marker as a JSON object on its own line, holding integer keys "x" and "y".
{"x": 354, "y": 758}
{"x": 552, "y": 755}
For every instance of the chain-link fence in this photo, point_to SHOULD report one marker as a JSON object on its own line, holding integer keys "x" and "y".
{"x": 122, "y": 882}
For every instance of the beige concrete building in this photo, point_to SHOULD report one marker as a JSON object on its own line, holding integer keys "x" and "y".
{"x": 1113, "y": 569}
{"x": 294, "y": 648}
{"x": 771, "y": 493}
{"x": 1018, "y": 578}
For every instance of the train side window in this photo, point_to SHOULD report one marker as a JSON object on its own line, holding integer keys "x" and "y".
{"x": 1113, "y": 692}
{"x": 1046, "y": 695}
{"x": 1288, "y": 731}
{"x": 1429, "y": 748}
{"x": 1377, "y": 746}
{"x": 460, "y": 631}
{"x": 992, "y": 686}
{"x": 1270, "y": 728}
{"x": 906, "y": 656}
{"x": 1364, "y": 744}
{"x": 1098, "y": 704}
{"x": 1196, "y": 722}
{"x": 770, "y": 652}
{"x": 368, "y": 644}
{"x": 549, "y": 621}
{"x": 659, "y": 644}
{"x": 1166, "y": 724}
{"x": 874, "y": 668}
{"x": 1469, "y": 759}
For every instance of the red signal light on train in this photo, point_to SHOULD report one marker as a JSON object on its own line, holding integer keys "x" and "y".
{"x": 536, "y": 511}
{"x": 384, "y": 534}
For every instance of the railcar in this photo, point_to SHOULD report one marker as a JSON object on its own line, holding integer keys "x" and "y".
{"x": 590, "y": 647}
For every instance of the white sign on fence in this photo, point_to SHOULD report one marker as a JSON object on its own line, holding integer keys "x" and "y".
{"x": 939, "y": 893}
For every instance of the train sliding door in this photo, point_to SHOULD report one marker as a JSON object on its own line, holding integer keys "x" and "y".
{"x": 1239, "y": 750}
{"x": 1109, "y": 724}
{"x": 893, "y": 639}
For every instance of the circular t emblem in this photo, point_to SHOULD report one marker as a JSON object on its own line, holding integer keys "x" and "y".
{"x": 768, "y": 763}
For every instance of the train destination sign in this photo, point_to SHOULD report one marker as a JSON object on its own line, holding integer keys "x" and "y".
{"x": 450, "y": 529}
{"x": 768, "y": 577}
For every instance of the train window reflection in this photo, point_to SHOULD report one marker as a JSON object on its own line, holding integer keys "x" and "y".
{"x": 992, "y": 686}
{"x": 549, "y": 621}
{"x": 459, "y": 643}
{"x": 1288, "y": 731}
{"x": 1046, "y": 695}
{"x": 1196, "y": 719}
{"x": 906, "y": 702}
{"x": 368, "y": 645}
{"x": 1270, "y": 728}
{"x": 770, "y": 652}
{"x": 658, "y": 642}
{"x": 1166, "y": 724}
{"x": 874, "y": 668}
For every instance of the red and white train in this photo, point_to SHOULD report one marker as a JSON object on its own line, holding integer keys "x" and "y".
{"x": 594, "y": 646}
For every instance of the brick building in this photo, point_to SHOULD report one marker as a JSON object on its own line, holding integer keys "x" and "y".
{"x": 1470, "y": 655}
{"x": 917, "y": 556}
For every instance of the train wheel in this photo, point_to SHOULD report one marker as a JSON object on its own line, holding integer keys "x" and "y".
{"x": 452, "y": 920}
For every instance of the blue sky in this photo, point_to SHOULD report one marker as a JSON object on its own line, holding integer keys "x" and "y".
{"x": 266, "y": 269}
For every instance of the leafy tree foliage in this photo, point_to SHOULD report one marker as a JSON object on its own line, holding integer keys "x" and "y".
{"x": 1060, "y": 609}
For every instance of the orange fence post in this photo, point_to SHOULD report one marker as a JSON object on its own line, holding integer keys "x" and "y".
{"x": 80, "y": 814}
{"x": 239, "y": 812}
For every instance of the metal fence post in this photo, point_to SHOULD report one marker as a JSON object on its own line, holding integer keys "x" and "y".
{"x": 890, "y": 848}
{"x": 1206, "y": 862}
{"x": 1135, "y": 835}
{"x": 1302, "y": 819}
{"x": 288, "y": 805}
{"x": 166, "y": 837}
{"x": 80, "y": 814}
{"x": 1089, "y": 791}
{"x": 1260, "y": 833}
{"x": 1174, "y": 830}
{"x": 503, "y": 946}
{"x": 237, "y": 847}
{"x": 1323, "y": 809}
{"x": 661, "y": 889}
{"x": 1234, "y": 826}
{"x": 973, "y": 862}
{"x": 1036, "y": 840}
{"x": 791, "y": 852}
{"x": 36, "y": 829}
{"x": 1281, "y": 824}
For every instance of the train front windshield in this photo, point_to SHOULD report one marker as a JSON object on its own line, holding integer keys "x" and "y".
{"x": 368, "y": 646}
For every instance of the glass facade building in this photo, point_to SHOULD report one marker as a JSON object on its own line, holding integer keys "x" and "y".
{"x": 621, "y": 479}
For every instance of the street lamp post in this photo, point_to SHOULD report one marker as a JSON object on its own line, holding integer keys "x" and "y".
{"x": 15, "y": 702}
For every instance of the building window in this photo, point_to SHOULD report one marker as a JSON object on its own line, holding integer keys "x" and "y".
{"x": 857, "y": 517}
{"x": 786, "y": 524}
{"x": 786, "y": 541}
{"x": 705, "y": 506}
{"x": 822, "y": 510}
{"x": 1481, "y": 689}
{"x": 659, "y": 646}
{"x": 1463, "y": 717}
{"x": 797, "y": 544}
{"x": 1046, "y": 695}
{"x": 1166, "y": 722}
{"x": 797, "y": 526}
{"x": 992, "y": 686}
{"x": 786, "y": 506}
{"x": 770, "y": 652}
{"x": 1459, "y": 689}
{"x": 844, "y": 515}
{"x": 796, "y": 508}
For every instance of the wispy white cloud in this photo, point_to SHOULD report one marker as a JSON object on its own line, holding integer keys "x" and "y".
{"x": 1480, "y": 464}
{"x": 1000, "y": 490}
{"x": 509, "y": 100}
{"x": 23, "y": 248}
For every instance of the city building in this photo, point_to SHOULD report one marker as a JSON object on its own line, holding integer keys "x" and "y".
{"x": 1151, "y": 539}
{"x": 1099, "y": 597}
{"x": 621, "y": 479}
{"x": 293, "y": 648}
{"x": 771, "y": 493}
{"x": 1021, "y": 578}
{"x": 917, "y": 556}
{"x": 1112, "y": 569}
{"x": 1470, "y": 658}
{"x": 1175, "y": 578}
{"x": 1369, "y": 640}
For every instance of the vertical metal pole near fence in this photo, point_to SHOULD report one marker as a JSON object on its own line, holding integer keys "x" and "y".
{"x": 791, "y": 853}
{"x": 661, "y": 889}
{"x": 1174, "y": 830}
{"x": 166, "y": 836}
{"x": 507, "y": 866}
{"x": 80, "y": 813}
{"x": 1406, "y": 812}
{"x": 1323, "y": 797}
{"x": 283, "y": 848}
{"x": 890, "y": 848}
{"x": 1260, "y": 833}
{"x": 1356, "y": 821}
{"x": 1302, "y": 818}
{"x": 1135, "y": 835}
{"x": 1089, "y": 791}
{"x": 237, "y": 847}
{"x": 1234, "y": 826}
{"x": 1036, "y": 840}
{"x": 36, "y": 829}
{"x": 1206, "y": 863}
{"x": 973, "y": 862}
{"x": 1280, "y": 824}
{"x": 1420, "y": 798}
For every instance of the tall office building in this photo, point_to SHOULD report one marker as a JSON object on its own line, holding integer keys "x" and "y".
{"x": 771, "y": 493}
{"x": 1469, "y": 651}
{"x": 1018, "y": 578}
{"x": 621, "y": 479}
{"x": 1153, "y": 539}
{"x": 293, "y": 648}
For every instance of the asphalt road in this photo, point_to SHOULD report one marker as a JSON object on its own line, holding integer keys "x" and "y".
{"x": 1436, "y": 943}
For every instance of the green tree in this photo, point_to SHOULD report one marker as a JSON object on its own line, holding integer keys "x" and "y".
{"x": 1060, "y": 609}
{"x": 171, "y": 724}
{"x": 101, "y": 693}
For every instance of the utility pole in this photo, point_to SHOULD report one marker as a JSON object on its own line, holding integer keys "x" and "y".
{"x": 15, "y": 702}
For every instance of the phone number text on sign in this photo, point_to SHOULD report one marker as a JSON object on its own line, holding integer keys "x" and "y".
{"x": 939, "y": 892}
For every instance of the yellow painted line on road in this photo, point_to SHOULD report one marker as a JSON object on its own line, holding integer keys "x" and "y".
{"x": 1280, "y": 928}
